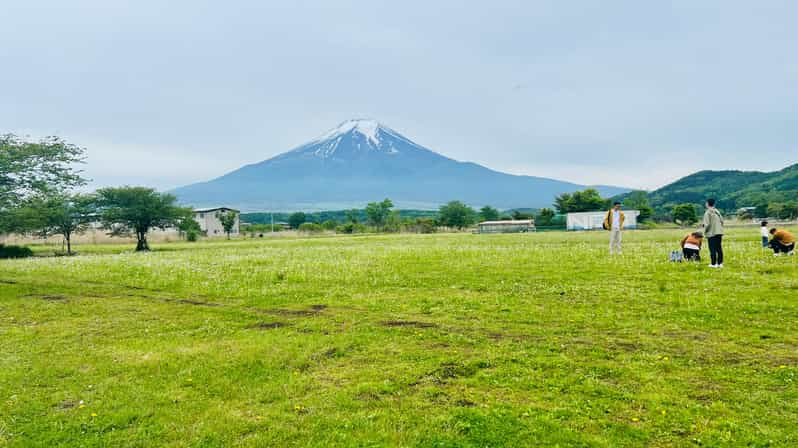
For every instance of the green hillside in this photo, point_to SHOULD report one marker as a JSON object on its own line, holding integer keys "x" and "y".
{"x": 733, "y": 189}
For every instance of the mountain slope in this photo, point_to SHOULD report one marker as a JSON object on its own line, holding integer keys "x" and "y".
{"x": 362, "y": 161}
{"x": 732, "y": 189}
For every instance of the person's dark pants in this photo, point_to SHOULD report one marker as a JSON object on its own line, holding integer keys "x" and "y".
{"x": 765, "y": 242}
{"x": 778, "y": 247}
{"x": 691, "y": 254}
{"x": 716, "y": 249}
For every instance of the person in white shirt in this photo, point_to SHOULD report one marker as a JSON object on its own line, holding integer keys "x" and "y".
{"x": 765, "y": 235}
{"x": 614, "y": 223}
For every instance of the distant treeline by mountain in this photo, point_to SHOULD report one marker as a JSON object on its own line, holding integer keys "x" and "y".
{"x": 332, "y": 215}
{"x": 732, "y": 189}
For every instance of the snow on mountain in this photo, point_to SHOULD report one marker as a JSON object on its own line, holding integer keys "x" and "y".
{"x": 362, "y": 160}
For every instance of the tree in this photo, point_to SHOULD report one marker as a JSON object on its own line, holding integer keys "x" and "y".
{"x": 58, "y": 214}
{"x": 135, "y": 210}
{"x": 638, "y": 200}
{"x": 684, "y": 214}
{"x": 353, "y": 216}
{"x": 518, "y": 215}
{"x": 488, "y": 213}
{"x": 297, "y": 219}
{"x": 783, "y": 210}
{"x": 545, "y": 217}
{"x": 456, "y": 214}
{"x": 377, "y": 213}
{"x": 31, "y": 170}
{"x": 580, "y": 201}
{"x": 190, "y": 229}
{"x": 228, "y": 220}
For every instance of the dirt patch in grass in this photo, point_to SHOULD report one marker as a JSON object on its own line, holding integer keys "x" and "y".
{"x": 267, "y": 325}
{"x": 192, "y": 302}
{"x": 68, "y": 404}
{"x": 54, "y": 298}
{"x": 314, "y": 310}
{"x": 408, "y": 323}
{"x": 7, "y": 282}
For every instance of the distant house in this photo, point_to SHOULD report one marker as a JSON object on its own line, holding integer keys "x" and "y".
{"x": 515, "y": 226}
{"x": 595, "y": 220}
{"x": 211, "y": 225}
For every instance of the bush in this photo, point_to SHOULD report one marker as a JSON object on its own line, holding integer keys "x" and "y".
{"x": 351, "y": 227}
{"x": 310, "y": 227}
{"x": 15, "y": 251}
{"x": 329, "y": 225}
{"x": 192, "y": 235}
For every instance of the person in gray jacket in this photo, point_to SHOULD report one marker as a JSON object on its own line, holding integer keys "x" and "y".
{"x": 713, "y": 230}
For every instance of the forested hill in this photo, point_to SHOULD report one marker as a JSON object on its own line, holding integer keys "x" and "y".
{"x": 733, "y": 189}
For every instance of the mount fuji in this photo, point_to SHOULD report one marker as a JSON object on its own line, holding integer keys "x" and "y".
{"x": 362, "y": 161}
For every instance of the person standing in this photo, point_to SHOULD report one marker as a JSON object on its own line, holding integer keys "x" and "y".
{"x": 713, "y": 231}
{"x": 614, "y": 223}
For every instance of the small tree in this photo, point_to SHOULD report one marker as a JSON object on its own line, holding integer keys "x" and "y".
{"x": 684, "y": 214}
{"x": 228, "y": 220}
{"x": 377, "y": 213}
{"x": 456, "y": 214}
{"x": 488, "y": 213}
{"x": 638, "y": 200}
{"x": 59, "y": 214}
{"x": 329, "y": 224}
{"x": 297, "y": 219}
{"x": 545, "y": 216}
{"x": 135, "y": 210}
{"x": 189, "y": 228}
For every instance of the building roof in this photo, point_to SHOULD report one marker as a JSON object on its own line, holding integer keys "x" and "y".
{"x": 213, "y": 209}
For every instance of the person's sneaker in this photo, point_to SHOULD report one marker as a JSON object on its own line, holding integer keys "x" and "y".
{"x": 713, "y": 266}
{"x": 776, "y": 254}
{"x": 791, "y": 253}
{"x": 720, "y": 265}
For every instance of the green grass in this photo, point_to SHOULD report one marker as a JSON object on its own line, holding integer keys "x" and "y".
{"x": 433, "y": 340}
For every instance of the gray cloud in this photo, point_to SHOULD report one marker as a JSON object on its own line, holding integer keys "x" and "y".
{"x": 636, "y": 93}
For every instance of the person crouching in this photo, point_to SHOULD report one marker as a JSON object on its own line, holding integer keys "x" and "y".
{"x": 691, "y": 246}
{"x": 783, "y": 242}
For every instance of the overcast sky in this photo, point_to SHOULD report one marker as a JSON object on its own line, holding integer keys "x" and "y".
{"x": 633, "y": 93}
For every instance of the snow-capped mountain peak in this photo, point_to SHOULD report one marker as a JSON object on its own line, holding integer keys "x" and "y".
{"x": 352, "y": 137}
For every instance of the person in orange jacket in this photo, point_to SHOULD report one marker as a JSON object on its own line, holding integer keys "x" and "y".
{"x": 783, "y": 242}
{"x": 691, "y": 246}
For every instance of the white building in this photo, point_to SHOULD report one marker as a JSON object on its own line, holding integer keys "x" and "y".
{"x": 211, "y": 225}
{"x": 519, "y": 226}
{"x": 595, "y": 220}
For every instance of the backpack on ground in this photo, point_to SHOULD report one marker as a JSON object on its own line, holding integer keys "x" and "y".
{"x": 676, "y": 256}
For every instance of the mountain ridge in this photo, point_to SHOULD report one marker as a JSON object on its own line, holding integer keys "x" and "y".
{"x": 363, "y": 160}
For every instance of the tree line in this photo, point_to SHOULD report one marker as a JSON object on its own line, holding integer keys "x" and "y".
{"x": 39, "y": 182}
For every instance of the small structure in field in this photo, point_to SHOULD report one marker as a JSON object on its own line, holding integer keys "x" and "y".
{"x": 514, "y": 226}
{"x": 211, "y": 225}
{"x": 595, "y": 220}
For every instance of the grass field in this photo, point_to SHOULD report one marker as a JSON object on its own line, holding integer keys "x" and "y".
{"x": 429, "y": 340}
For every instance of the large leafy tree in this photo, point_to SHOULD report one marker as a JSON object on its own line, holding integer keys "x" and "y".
{"x": 35, "y": 169}
{"x": 684, "y": 214}
{"x": 136, "y": 210}
{"x": 488, "y": 213}
{"x": 58, "y": 214}
{"x": 580, "y": 201}
{"x": 297, "y": 219}
{"x": 456, "y": 214}
{"x": 377, "y": 213}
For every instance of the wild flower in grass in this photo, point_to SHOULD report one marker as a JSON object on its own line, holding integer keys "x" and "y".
{"x": 94, "y": 414}
{"x": 782, "y": 366}
{"x": 635, "y": 419}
